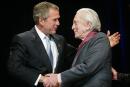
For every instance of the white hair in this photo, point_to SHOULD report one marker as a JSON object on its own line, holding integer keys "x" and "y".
{"x": 91, "y": 16}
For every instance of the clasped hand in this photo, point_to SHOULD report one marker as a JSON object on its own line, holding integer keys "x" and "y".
{"x": 50, "y": 80}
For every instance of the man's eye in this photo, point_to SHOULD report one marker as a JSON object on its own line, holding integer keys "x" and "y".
{"x": 55, "y": 19}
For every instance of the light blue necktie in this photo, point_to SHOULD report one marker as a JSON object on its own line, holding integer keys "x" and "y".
{"x": 49, "y": 51}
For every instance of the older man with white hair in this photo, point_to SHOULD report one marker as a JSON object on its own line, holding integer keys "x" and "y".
{"x": 92, "y": 64}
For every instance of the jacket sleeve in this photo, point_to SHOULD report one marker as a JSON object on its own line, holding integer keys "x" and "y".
{"x": 16, "y": 64}
{"x": 91, "y": 60}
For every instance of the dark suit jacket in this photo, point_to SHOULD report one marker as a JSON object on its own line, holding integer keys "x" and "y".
{"x": 28, "y": 57}
{"x": 93, "y": 65}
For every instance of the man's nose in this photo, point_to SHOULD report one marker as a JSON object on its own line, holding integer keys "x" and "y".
{"x": 57, "y": 22}
{"x": 73, "y": 27}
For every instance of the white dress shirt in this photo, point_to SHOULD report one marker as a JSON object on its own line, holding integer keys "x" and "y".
{"x": 53, "y": 48}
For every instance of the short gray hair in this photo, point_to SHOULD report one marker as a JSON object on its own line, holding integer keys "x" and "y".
{"x": 91, "y": 16}
{"x": 41, "y": 10}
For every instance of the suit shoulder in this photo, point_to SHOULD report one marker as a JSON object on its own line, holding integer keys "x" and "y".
{"x": 27, "y": 35}
{"x": 101, "y": 35}
{"x": 59, "y": 36}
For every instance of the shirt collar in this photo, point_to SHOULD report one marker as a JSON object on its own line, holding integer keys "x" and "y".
{"x": 41, "y": 34}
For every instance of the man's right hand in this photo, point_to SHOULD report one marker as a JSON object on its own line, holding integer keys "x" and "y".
{"x": 49, "y": 80}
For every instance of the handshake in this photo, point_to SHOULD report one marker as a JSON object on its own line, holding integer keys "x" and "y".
{"x": 50, "y": 80}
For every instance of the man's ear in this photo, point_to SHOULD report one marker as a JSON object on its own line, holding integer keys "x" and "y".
{"x": 88, "y": 25}
{"x": 41, "y": 20}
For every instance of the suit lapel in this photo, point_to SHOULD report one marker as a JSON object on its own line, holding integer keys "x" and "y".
{"x": 36, "y": 41}
{"x": 59, "y": 47}
{"x": 58, "y": 44}
{"x": 40, "y": 49}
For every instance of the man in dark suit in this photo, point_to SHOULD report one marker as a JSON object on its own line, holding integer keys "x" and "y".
{"x": 30, "y": 55}
{"x": 92, "y": 64}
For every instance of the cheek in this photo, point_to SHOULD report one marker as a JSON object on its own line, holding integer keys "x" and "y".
{"x": 50, "y": 23}
{"x": 79, "y": 32}
{"x": 78, "y": 29}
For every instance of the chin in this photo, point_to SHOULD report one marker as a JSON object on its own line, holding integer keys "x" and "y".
{"x": 76, "y": 36}
{"x": 53, "y": 32}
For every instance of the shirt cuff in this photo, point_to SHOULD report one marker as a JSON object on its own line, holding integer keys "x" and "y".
{"x": 36, "y": 82}
{"x": 59, "y": 78}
